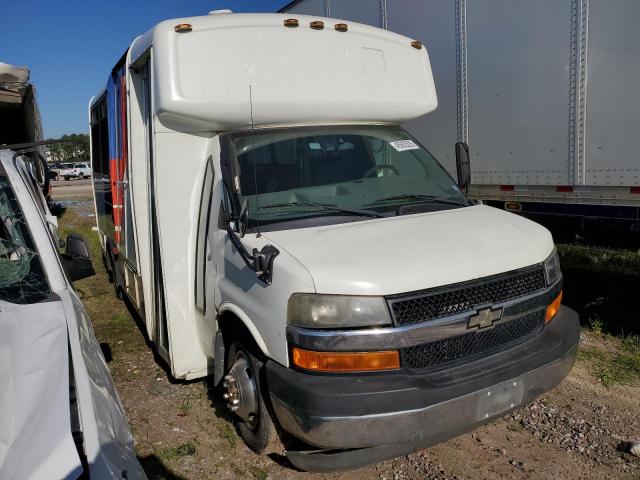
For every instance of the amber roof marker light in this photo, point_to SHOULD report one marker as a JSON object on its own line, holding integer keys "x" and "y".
{"x": 316, "y": 25}
{"x": 291, "y": 22}
{"x": 341, "y": 27}
{"x": 416, "y": 44}
{"x": 183, "y": 28}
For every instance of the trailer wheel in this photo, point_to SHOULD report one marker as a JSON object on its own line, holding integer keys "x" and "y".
{"x": 245, "y": 393}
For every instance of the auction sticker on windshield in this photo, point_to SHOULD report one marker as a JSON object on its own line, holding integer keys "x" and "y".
{"x": 402, "y": 145}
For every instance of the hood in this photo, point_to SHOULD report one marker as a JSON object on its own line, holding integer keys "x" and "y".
{"x": 414, "y": 252}
{"x": 35, "y": 424}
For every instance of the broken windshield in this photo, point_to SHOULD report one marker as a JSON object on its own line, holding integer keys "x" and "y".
{"x": 22, "y": 279}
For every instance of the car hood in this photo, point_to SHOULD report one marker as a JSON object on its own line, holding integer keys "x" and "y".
{"x": 35, "y": 425}
{"x": 414, "y": 252}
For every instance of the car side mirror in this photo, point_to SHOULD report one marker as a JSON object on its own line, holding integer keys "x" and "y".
{"x": 260, "y": 261}
{"x": 243, "y": 219}
{"x": 76, "y": 260}
{"x": 463, "y": 166}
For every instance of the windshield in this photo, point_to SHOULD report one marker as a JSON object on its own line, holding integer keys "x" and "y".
{"x": 21, "y": 277}
{"x": 353, "y": 172}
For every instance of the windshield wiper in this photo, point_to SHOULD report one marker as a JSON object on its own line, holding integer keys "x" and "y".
{"x": 326, "y": 206}
{"x": 416, "y": 196}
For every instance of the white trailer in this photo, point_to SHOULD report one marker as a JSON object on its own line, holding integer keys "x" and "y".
{"x": 543, "y": 91}
{"x": 275, "y": 228}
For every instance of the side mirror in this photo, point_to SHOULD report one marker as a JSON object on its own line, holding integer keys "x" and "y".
{"x": 76, "y": 260}
{"x": 260, "y": 261}
{"x": 463, "y": 166}
{"x": 243, "y": 219}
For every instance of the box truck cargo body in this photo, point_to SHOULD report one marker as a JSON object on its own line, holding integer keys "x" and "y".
{"x": 277, "y": 230}
{"x": 543, "y": 91}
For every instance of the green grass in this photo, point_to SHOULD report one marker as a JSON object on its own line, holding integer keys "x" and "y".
{"x": 258, "y": 473}
{"x": 185, "y": 406}
{"x": 228, "y": 433}
{"x": 632, "y": 344}
{"x": 618, "y": 367}
{"x": 600, "y": 259}
{"x": 185, "y": 450}
{"x": 595, "y": 323}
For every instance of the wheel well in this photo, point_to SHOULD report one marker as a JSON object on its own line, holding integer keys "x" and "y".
{"x": 233, "y": 328}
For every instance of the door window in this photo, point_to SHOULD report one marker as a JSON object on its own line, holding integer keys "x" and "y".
{"x": 201, "y": 241}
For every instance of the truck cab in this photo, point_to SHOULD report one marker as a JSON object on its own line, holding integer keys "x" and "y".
{"x": 310, "y": 255}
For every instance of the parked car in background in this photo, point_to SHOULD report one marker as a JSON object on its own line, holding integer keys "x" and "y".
{"x": 76, "y": 170}
{"x": 54, "y": 169}
{"x": 60, "y": 416}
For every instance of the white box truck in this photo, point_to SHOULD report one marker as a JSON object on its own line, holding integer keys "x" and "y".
{"x": 276, "y": 229}
{"x": 543, "y": 91}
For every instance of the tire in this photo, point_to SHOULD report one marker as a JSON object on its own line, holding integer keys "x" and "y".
{"x": 260, "y": 435}
{"x": 117, "y": 289}
{"x": 107, "y": 267}
{"x": 81, "y": 176}
{"x": 67, "y": 178}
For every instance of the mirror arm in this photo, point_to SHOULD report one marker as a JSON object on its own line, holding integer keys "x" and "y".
{"x": 260, "y": 261}
{"x": 67, "y": 265}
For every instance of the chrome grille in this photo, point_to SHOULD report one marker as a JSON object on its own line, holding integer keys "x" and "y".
{"x": 431, "y": 304}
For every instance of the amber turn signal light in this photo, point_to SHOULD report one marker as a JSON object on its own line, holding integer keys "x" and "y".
{"x": 553, "y": 308}
{"x": 346, "y": 361}
{"x": 183, "y": 28}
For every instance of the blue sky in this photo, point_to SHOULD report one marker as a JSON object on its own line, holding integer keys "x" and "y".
{"x": 70, "y": 45}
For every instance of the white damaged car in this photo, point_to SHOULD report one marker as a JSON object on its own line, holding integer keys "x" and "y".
{"x": 60, "y": 416}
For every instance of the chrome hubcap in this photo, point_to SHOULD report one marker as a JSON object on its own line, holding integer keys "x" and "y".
{"x": 240, "y": 390}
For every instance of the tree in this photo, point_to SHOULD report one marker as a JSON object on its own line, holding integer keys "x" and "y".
{"x": 77, "y": 148}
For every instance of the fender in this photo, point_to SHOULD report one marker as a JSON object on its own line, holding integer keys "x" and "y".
{"x": 238, "y": 312}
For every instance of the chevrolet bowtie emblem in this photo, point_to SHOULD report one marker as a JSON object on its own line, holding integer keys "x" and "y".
{"x": 485, "y": 318}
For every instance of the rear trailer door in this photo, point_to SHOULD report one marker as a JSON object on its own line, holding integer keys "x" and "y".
{"x": 611, "y": 142}
{"x": 518, "y": 63}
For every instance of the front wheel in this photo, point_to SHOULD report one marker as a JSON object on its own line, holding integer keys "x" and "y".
{"x": 82, "y": 176}
{"x": 244, "y": 392}
{"x": 67, "y": 178}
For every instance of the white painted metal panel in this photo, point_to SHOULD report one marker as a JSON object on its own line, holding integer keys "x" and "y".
{"x": 363, "y": 11}
{"x": 298, "y": 75}
{"x": 518, "y": 85}
{"x": 433, "y": 23}
{"x": 612, "y": 144}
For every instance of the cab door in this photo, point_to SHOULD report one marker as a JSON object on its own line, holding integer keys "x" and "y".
{"x": 205, "y": 264}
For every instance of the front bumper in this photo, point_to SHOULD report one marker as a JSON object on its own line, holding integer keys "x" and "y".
{"x": 378, "y": 416}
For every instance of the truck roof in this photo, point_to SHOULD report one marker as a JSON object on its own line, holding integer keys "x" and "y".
{"x": 300, "y": 74}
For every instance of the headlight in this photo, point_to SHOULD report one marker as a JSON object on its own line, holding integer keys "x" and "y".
{"x": 336, "y": 311}
{"x": 552, "y": 267}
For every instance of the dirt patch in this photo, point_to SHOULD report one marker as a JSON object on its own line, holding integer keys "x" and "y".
{"x": 73, "y": 188}
{"x": 578, "y": 430}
